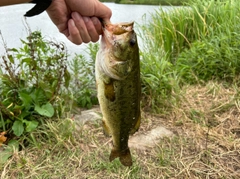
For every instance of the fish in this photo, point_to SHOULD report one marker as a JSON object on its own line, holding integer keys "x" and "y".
{"x": 117, "y": 71}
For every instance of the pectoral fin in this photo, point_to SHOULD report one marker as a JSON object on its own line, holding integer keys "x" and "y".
{"x": 109, "y": 91}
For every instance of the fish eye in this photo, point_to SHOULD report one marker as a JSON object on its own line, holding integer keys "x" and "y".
{"x": 132, "y": 42}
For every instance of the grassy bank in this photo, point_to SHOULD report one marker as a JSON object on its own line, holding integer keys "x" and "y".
{"x": 153, "y": 2}
{"x": 190, "y": 85}
{"x": 149, "y": 2}
{"x": 205, "y": 144}
{"x": 190, "y": 45}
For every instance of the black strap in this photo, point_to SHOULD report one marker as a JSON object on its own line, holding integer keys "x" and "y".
{"x": 41, "y": 5}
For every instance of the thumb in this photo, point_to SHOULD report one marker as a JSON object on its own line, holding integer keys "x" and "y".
{"x": 103, "y": 12}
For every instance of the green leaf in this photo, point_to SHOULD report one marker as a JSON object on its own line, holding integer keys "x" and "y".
{"x": 30, "y": 125}
{"x": 13, "y": 144}
{"x": 54, "y": 84}
{"x": 45, "y": 110}
{"x": 4, "y": 156}
{"x": 14, "y": 50}
{"x": 38, "y": 95}
{"x": 26, "y": 99}
{"x": 8, "y": 151}
{"x": 19, "y": 56}
{"x": 11, "y": 59}
{"x": 24, "y": 42}
{"x": 18, "y": 127}
{"x": 27, "y": 60}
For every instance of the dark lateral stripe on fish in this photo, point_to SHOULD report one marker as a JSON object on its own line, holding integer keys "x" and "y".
{"x": 41, "y": 5}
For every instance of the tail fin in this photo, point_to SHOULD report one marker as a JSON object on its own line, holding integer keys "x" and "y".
{"x": 124, "y": 156}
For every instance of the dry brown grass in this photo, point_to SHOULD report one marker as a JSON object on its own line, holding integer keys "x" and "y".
{"x": 206, "y": 144}
{"x": 207, "y": 128}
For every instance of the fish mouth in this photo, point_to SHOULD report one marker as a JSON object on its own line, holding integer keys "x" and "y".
{"x": 119, "y": 28}
{"x": 116, "y": 39}
{"x": 112, "y": 33}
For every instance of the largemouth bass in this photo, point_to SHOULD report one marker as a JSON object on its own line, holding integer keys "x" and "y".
{"x": 118, "y": 86}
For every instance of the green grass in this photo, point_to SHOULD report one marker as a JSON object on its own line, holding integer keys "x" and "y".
{"x": 149, "y": 2}
{"x": 189, "y": 45}
{"x": 62, "y": 151}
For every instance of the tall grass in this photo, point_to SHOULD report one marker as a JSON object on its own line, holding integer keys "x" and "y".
{"x": 175, "y": 29}
{"x": 152, "y": 2}
{"x": 215, "y": 55}
{"x": 198, "y": 42}
{"x": 158, "y": 80}
{"x": 211, "y": 59}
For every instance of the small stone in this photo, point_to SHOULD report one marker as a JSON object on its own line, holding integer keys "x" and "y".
{"x": 150, "y": 139}
{"x": 88, "y": 115}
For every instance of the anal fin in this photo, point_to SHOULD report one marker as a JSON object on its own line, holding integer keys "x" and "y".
{"x": 137, "y": 125}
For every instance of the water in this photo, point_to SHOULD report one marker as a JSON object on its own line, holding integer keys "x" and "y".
{"x": 13, "y": 25}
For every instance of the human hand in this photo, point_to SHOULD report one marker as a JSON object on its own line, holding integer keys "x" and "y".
{"x": 79, "y": 20}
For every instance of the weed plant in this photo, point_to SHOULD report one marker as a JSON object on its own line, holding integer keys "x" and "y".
{"x": 32, "y": 78}
{"x": 158, "y": 82}
{"x": 83, "y": 85}
{"x": 38, "y": 82}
